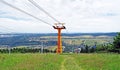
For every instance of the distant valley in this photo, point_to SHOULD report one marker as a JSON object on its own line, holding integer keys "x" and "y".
{"x": 50, "y": 39}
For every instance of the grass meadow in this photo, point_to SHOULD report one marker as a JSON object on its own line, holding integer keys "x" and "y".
{"x": 37, "y": 61}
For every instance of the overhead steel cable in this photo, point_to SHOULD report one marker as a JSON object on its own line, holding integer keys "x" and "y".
{"x": 25, "y": 12}
{"x": 67, "y": 31}
{"x": 8, "y": 29}
{"x": 40, "y": 8}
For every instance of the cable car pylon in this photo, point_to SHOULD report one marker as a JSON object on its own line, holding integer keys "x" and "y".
{"x": 59, "y": 27}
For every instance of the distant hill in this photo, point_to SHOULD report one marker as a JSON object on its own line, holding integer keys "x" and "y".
{"x": 50, "y": 39}
{"x": 55, "y": 34}
{"x": 91, "y": 34}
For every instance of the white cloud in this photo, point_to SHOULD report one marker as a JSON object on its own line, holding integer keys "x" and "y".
{"x": 79, "y": 15}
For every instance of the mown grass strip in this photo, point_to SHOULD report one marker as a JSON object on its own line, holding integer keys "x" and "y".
{"x": 69, "y": 63}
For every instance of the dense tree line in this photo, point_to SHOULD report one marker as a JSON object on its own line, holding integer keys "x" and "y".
{"x": 25, "y": 50}
{"x": 111, "y": 47}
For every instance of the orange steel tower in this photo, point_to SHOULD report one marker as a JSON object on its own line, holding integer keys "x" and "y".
{"x": 59, "y": 27}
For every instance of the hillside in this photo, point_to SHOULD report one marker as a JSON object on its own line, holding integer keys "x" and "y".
{"x": 50, "y": 40}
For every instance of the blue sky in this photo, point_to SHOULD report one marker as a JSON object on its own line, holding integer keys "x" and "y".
{"x": 78, "y": 16}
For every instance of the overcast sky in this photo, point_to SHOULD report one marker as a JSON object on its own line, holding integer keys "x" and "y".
{"x": 78, "y": 16}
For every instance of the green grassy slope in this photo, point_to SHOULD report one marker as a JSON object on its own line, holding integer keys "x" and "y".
{"x": 59, "y": 62}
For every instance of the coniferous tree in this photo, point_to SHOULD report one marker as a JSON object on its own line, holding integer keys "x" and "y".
{"x": 116, "y": 43}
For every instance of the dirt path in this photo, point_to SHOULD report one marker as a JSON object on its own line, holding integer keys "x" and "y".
{"x": 63, "y": 65}
{"x": 69, "y": 63}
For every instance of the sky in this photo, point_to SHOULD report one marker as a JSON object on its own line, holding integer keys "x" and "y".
{"x": 79, "y": 16}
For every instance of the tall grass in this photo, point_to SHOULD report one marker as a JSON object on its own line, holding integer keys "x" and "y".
{"x": 30, "y": 62}
{"x": 98, "y": 61}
